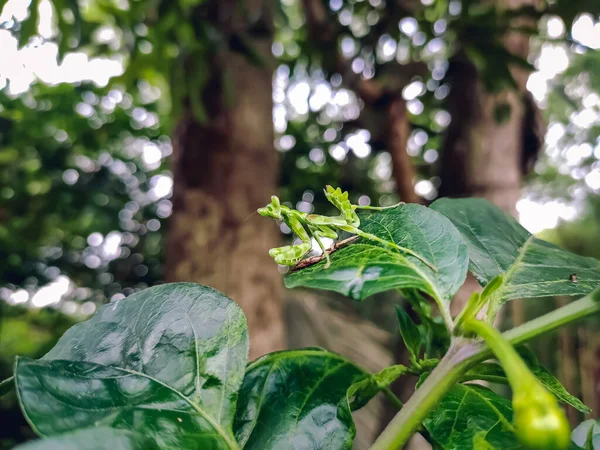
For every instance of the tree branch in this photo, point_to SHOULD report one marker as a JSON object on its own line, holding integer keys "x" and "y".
{"x": 397, "y": 137}
{"x": 324, "y": 32}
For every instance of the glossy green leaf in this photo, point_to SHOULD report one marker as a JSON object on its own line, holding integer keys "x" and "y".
{"x": 587, "y": 435}
{"x": 297, "y": 399}
{"x": 498, "y": 244}
{"x": 100, "y": 438}
{"x": 366, "y": 268}
{"x": 170, "y": 359}
{"x": 411, "y": 336}
{"x": 472, "y": 417}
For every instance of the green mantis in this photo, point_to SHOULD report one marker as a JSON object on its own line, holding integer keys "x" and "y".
{"x": 307, "y": 226}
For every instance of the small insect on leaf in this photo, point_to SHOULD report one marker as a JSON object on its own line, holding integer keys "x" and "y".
{"x": 573, "y": 278}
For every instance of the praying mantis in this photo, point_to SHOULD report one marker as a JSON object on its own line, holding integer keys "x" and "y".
{"x": 307, "y": 226}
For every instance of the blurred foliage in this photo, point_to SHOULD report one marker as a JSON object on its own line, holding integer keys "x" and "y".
{"x": 85, "y": 170}
{"x": 571, "y": 166}
{"x": 579, "y": 236}
{"x": 84, "y": 184}
{"x": 80, "y": 171}
{"x": 27, "y": 332}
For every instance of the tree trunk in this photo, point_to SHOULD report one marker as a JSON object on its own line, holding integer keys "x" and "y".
{"x": 223, "y": 170}
{"x": 397, "y": 139}
{"x": 483, "y": 156}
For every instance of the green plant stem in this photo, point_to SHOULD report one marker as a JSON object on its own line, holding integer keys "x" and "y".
{"x": 463, "y": 354}
{"x": 577, "y": 310}
{"x": 406, "y": 422}
{"x": 519, "y": 375}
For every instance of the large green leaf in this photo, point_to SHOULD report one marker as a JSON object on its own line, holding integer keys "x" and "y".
{"x": 100, "y": 438}
{"x": 498, "y": 244}
{"x": 366, "y": 267}
{"x": 472, "y": 417}
{"x": 297, "y": 400}
{"x": 170, "y": 359}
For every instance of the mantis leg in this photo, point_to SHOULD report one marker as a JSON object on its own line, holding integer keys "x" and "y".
{"x": 317, "y": 237}
{"x": 378, "y": 208}
{"x": 289, "y": 255}
{"x": 318, "y": 233}
{"x": 393, "y": 245}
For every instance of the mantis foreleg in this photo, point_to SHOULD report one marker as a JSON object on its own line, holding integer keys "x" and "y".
{"x": 323, "y": 249}
{"x": 318, "y": 233}
{"x": 289, "y": 255}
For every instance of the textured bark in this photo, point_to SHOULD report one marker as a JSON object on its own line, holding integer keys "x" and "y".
{"x": 223, "y": 170}
{"x": 397, "y": 139}
{"x": 482, "y": 157}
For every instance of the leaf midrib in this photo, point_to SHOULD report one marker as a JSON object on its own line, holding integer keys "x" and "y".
{"x": 436, "y": 294}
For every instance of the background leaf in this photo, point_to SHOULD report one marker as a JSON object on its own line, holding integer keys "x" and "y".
{"x": 170, "y": 358}
{"x": 493, "y": 372}
{"x": 297, "y": 399}
{"x": 366, "y": 268}
{"x": 498, "y": 244}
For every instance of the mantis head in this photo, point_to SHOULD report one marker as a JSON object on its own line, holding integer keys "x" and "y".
{"x": 272, "y": 209}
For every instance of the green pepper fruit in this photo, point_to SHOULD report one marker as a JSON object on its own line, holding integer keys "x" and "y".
{"x": 539, "y": 421}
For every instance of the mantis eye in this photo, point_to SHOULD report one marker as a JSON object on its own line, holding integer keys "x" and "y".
{"x": 275, "y": 202}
